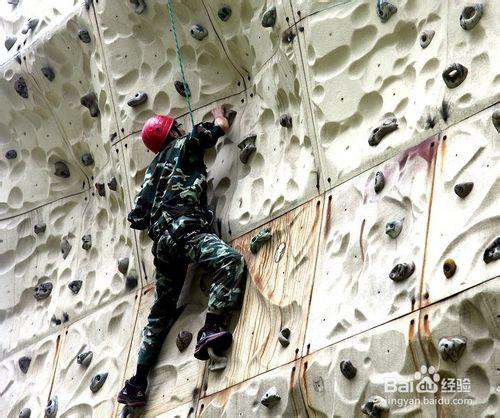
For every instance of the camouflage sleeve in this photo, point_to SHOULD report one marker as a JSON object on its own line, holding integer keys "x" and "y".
{"x": 205, "y": 135}
{"x": 140, "y": 215}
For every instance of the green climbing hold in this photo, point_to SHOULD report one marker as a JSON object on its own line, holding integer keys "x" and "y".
{"x": 259, "y": 240}
{"x": 269, "y": 18}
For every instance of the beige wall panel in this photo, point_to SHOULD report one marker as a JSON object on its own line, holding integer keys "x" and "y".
{"x": 183, "y": 411}
{"x": 304, "y": 8}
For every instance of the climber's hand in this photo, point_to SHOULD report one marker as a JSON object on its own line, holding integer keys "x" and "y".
{"x": 219, "y": 118}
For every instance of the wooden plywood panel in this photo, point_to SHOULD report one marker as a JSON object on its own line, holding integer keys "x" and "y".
{"x": 352, "y": 290}
{"x": 183, "y": 411}
{"x": 277, "y": 296}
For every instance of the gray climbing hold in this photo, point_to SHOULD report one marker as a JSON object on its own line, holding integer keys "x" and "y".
{"x": 270, "y": 398}
{"x": 84, "y": 36}
{"x": 24, "y": 363}
{"x": 140, "y": 6}
{"x": 65, "y": 317}
{"x": 470, "y": 16}
{"x": 123, "y": 265}
{"x": 61, "y": 169}
{"x": 42, "y": 290}
{"x": 87, "y": 242}
{"x": 25, "y": 413}
{"x": 259, "y": 240}
{"x": 113, "y": 136}
{"x": 132, "y": 279}
{"x": 449, "y": 268}
{"x": 10, "y": 40}
{"x": 90, "y": 102}
{"x": 65, "y": 248}
{"x": 216, "y": 362}
{"x": 402, "y": 271}
{"x": 224, "y": 13}
{"x": 230, "y": 116}
{"x": 179, "y": 86}
{"x": 348, "y": 369}
{"x": 85, "y": 358}
{"x": 87, "y": 3}
{"x": 492, "y": 252}
{"x": 444, "y": 110}
{"x": 198, "y": 32}
{"x": 11, "y": 154}
{"x": 495, "y": 118}
{"x": 48, "y": 72}
{"x": 452, "y": 348}
{"x": 247, "y": 147}
{"x": 97, "y": 381}
{"x": 40, "y": 228}
{"x": 55, "y": 320}
{"x": 288, "y": 36}
{"x": 389, "y": 125}
{"x": 183, "y": 340}
{"x": 113, "y": 184}
{"x": 462, "y": 190}
{"x": 454, "y": 75}
{"x": 426, "y": 37}
{"x": 139, "y": 98}
{"x": 87, "y": 159}
{"x": 21, "y": 87}
{"x": 101, "y": 191}
{"x": 379, "y": 182}
{"x": 75, "y": 286}
{"x": 284, "y": 337}
{"x": 374, "y": 406}
{"x": 51, "y": 408}
{"x": 394, "y": 228}
{"x": 385, "y": 10}
{"x": 30, "y": 25}
{"x": 269, "y": 17}
{"x": 286, "y": 121}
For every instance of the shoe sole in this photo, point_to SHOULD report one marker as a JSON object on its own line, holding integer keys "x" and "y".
{"x": 130, "y": 403}
{"x": 219, "y": 342}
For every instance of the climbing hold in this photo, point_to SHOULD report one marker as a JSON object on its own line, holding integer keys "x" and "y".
{"x": 402, "y": 271}
{"x": 288, "y": 36}
{"x": 198, "y": 32}
{"x": 389, "y": 125}
{"x": 42, "y": 290}
{"x": 97, "y": 381}
{"x": 11, "y": 154}
{"x": 85, "y": 358}
{"x": 75, "y": 286}
{"x": 348, "y": 369}
{"x": 179, "y": 86}
{"x": 279, "y": 252}
{"x": 183, "y": 340}
{"x": 230, "y": 116}
{"x": 13, "y": 2}
{"x": 30, "y": 25}
{"x": 454, "y": 75}
{"x": 87, "y": 159}
{"x": 55, "y": 320}
{"x": 444, "y": 110}
{"x": 113, "y": 184}
{"x": 286, "y": 121}
{"x": 21, "y": 87}
{"x": 449, "y": 268}
{"x": 139, "y": 98}
{"x": 385, "y": 10}
{"x": 65, "y": 317}
{"x": 84, "y": 36}
{"x": 284, "y": 337}
{"x": 452, "y": 348}
{"x": 61, "y": 169}
{"x": 140, "y": 6}
{"x": 87, "y": 242}
{"x": 90, "y": 102}
{"x": 65, "y": 248}
{"x": 51, "y": 408}
{"x": 462, "y": 190}
{"x": 25, "y": 413}
{"x": 101, "y": 191}
{"x": 113, "y": 136}
{"x": 48, "y": 72}
{"x": 270, "y": 398}
{"x": 318, "y": 384}
{"x": 379, "y": 182}
{"x": 132, "y": 279}
{"x": 87, "y": 3}
{"x": 247, "y": 147}
{"x": 269, "y": 17}
{"x": 259, "y": 240}
{"x": 24, "y": 363}
{"x": 224, "y": 13}
{"x": 374, "y": 406}
{"x": 216, "y": 362}
{"x": 394, "y": 228}
{"x": 430, "y": 122}
{"x": 123, "y": 265}
{"x": 470, "y": 16}
{"x": 492, "y": 252}
{"x": 495, "y": 118}
{"x": 426, "y": 38}
{"x": 10, "y": 40}
{"x": 40, "y": 228}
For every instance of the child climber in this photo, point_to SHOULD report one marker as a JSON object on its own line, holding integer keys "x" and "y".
{"x": 172, "y": 206}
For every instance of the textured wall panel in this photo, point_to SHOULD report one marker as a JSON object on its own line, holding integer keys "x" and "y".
{"x": 352, "y": 290}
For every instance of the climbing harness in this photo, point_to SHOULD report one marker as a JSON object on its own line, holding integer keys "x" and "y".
{"x": 179, "y": 58}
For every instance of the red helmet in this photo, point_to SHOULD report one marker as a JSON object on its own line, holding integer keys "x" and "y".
{"x": 155, "y": 131}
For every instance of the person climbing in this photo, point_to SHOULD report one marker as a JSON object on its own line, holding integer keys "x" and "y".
{"x": 172, "y": 206}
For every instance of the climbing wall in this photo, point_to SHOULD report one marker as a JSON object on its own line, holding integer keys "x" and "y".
{"x": 364, "y": 149}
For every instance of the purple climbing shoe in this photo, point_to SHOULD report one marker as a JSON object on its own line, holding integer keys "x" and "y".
{"x": 214, "y": 336}
{"x": 132, "y": 395}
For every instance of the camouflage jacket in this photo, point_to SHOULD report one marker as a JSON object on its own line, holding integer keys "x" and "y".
{"x": 174, "y": 192}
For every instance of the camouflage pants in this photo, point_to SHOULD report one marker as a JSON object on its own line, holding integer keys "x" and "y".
{"x": 226, "y": 266}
